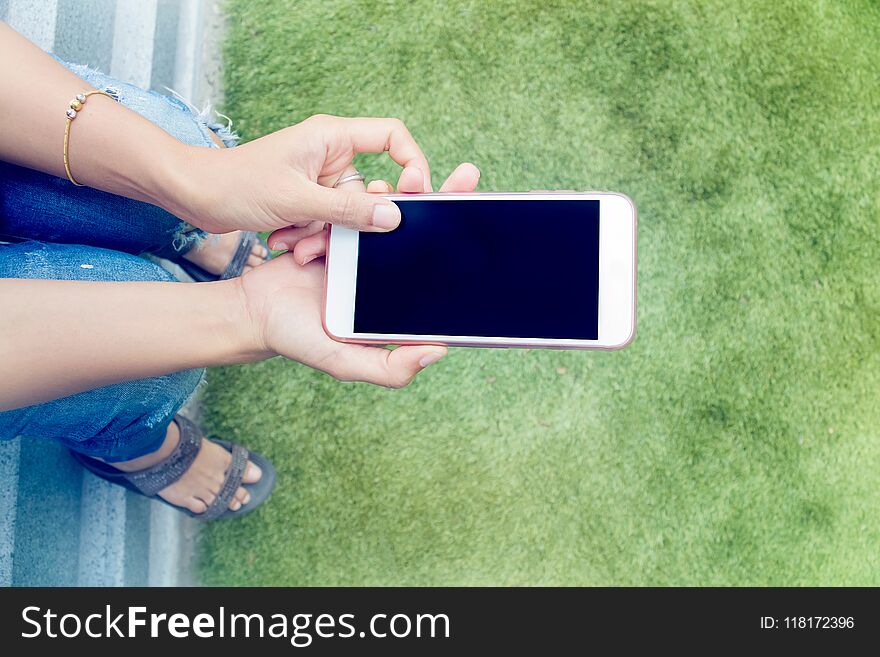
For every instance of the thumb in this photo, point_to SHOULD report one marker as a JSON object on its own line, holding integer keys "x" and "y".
{"x": 357, "y": 210}
{"x": 385, "y": 367}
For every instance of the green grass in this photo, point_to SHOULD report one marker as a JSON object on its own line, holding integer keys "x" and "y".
{"x": 734, "y": 442}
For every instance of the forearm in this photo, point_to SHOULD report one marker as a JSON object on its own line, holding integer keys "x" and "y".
{"x": 58, "y": 338}
{"x": 111, "y": 147}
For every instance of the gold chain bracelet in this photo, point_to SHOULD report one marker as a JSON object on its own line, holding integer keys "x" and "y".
{"x": 75, "y": 106}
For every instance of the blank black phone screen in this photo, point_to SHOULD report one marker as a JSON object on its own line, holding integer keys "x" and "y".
{"x": 487, "y": 268}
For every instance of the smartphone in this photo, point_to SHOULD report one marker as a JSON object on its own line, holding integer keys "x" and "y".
{"x": 553, "y": 270}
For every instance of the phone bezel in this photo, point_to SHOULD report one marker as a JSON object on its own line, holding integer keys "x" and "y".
{"x": 617, "y": 277}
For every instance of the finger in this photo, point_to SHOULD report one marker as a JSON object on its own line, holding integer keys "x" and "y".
{"x": 411, "y": 181}
{"x": 354, "y": 185}
{"x": 356, "y": 210}
{"x": 386, "y": 367}
{"x": 284, "y": 239}
{"x": 310, "y": 248}
{"x": 317, "y": 247}
{"x": 380, "y": 187}
{"x": 464, "y": 179}
{"x": 374, "y": 135}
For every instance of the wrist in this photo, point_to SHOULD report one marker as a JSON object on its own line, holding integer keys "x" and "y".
{"x": 238, "y": 326}
{"x": 184, "y": 188}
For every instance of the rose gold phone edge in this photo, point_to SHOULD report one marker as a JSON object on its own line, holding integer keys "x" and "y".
{"x": 524, "y": 343}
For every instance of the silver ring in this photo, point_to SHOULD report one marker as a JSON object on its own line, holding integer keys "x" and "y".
{"x": 357, "y": 175}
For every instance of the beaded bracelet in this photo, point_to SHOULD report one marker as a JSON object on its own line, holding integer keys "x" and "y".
{"x": 75, "y": 106}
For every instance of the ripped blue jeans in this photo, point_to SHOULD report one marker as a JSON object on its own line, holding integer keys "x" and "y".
{"x": 62, "y": 232}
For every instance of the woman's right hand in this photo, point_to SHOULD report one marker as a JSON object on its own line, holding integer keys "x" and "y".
{"x": 284, "y": 303}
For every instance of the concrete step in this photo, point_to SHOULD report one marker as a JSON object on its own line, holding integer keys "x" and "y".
{"x": 156, "y": 44}
{"x": 47, "y": 528}
{"x": 59, "y": 525}
{"x": 10, "y": 460}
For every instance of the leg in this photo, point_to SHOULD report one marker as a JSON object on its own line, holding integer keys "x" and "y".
{"x": 37, "y": 206}
{"x": 129, "y": 423}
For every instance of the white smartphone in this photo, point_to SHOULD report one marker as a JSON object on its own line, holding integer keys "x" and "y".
{"x": 534, "y": 269}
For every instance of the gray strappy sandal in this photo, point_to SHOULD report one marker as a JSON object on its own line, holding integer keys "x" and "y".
{"x": 235, "y": 266}
{"x": 150, "y": 481}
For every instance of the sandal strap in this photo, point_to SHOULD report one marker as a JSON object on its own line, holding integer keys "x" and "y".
{"x": 166, "y": 472}
{"x": 239, "y": 258}
{"x": 234, "y": 475}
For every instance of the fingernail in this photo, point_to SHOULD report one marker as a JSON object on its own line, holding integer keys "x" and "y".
{"x": 386, "y": 216}
{"x": 430, "y": 359}
{"x": 247, "y": 498}
{"x": 280, "y": 246}
{"x": 309, "y": 259}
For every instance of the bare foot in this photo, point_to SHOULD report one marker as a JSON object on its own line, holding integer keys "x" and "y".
{"x": 199, "y": 485}
{"x": 214, "y": 253}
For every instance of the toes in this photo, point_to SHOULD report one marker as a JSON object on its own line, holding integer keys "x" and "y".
{"x": 196, "y": 505}
{"x": 257, "y": 257}
{"x": 258, "y": 252}
{"x": 252, "y": 473}
{"x": 197, "y": 490}
{"x": 240, "y": 498}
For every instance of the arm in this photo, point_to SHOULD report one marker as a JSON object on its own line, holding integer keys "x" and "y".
{"x": 112, "y": 148}
{"x": 62, "y": 337}
{"x": 281, "y": 179}
{"x": 58, "y": 338}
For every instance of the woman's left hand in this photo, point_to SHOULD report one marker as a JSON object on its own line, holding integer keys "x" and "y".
{"x": 308, "y": 240}
{"x": 289, "y": 177}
